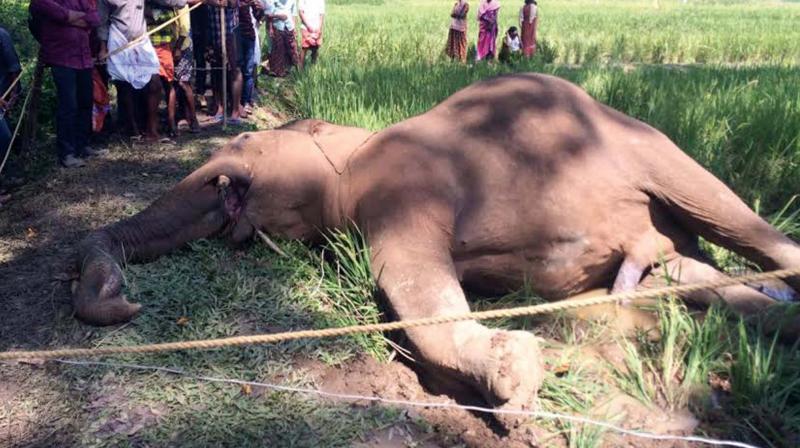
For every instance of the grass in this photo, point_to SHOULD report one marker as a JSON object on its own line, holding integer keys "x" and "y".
{"x": 206, "y": 291}
{"x": 738, "y": 115}
{"x": 574, "y": 391}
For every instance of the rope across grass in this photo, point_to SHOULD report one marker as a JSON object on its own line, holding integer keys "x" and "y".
{"x": 206, "y": 344}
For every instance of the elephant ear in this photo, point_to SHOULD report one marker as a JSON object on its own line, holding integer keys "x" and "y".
{"x": 336, "y": 142}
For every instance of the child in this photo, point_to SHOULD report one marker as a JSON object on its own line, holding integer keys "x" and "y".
{"x": 511, "y": 45}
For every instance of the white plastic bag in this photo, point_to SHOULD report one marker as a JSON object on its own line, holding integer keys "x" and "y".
{"x": 135, "y": 65}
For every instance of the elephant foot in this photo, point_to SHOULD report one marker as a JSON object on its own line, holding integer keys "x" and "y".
{"x": 507, "y": 369}
{"x": 111, "y": 311}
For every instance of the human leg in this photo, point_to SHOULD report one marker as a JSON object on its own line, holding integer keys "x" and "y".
{"x": 65, "y": 80}
{"x": 126, "y": 113}
{"x": 234, "y": 76}
{"x": 83, "y": 118}
{"x": 246, "y": 64}
{"x": 153, "y": 93}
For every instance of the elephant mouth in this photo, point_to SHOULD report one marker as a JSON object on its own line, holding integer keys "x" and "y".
{"x": 232, "y": 196}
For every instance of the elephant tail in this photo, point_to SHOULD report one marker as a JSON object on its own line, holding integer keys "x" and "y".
{"x": 707, "y": 207}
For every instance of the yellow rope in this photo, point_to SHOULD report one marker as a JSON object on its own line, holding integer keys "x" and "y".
{"x": 399, "y": 325}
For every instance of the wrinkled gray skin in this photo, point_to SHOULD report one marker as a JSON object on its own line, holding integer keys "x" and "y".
{"x": 517, "y": 178}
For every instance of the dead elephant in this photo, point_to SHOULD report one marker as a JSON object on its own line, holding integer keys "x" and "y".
{"x": 513, "y": 179}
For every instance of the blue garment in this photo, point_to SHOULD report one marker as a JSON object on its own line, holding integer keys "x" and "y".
{"x": 247, "y": 63}
{"x": 74, "y": 111}
{"x": 9, "y": 61}
{"x": 9, "y": 65}
{"x": 5, "y": 138}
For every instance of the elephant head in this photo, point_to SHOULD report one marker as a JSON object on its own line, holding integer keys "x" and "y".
{"x": 282, "y": 182}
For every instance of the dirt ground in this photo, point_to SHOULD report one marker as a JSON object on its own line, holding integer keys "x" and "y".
{"x": 38, "y": 231}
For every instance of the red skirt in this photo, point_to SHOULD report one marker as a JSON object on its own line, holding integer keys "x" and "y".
{"x": 456, "y": 45}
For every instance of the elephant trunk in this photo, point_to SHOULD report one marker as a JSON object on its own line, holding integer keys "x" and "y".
{"x": 198, "y": 207}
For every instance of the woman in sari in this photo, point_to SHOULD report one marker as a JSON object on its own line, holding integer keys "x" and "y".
{"x": 487, "y": 31}
{"x": 457, "y": 38}
{"x": 283, "y": 55}
{"x": 529, "y": 20}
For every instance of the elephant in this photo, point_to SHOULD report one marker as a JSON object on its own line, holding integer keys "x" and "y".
{"x": 517, "y": 179}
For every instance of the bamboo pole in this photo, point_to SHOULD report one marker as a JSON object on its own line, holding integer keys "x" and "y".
{"x": 224, "y": 69}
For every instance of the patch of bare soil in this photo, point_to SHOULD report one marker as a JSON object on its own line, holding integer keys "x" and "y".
{"x": 451, "y": 427}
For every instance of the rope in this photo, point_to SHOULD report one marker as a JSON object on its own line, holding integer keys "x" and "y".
{"x": 146, "y": 35}
{"x": 13, "y": 84}
{"x": 422, "y": 404}
{"x": 19, "y": 123}
{"x": 399, "y": 325}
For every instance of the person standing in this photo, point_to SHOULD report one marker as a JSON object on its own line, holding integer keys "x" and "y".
{"x": 10, "y": 70}
{"x": 457, "y": 37}
{"x": 487, "y": 29}
{"x": 227, "y": 10}
{"x": 135, "y": 68}
{"x": 312, "y": 19}
{"x": 183, "y": 55}
{"x": 65, "y": 26}
{"x": 200, "y": 27}
{"x": 529, "y": 20}
{"x": 283, "y": 51}
{"x": 250, "y": 13}
{"x": 162, "y": 40}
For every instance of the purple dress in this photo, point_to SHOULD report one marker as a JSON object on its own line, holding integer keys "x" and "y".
{"x": 487, "y": 35}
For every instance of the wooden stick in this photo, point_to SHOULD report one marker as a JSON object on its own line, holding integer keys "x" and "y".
{"x": 224, "y": 69}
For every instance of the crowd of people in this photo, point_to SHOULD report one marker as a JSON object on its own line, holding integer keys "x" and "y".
{"x": 154, "y": 51}
{"x": 174, "y": 51}
{"x": 514, "y": 42}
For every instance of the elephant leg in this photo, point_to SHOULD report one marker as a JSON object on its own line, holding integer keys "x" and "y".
{"x": 689, "y": 269}
{"x": 505, "y": 367}
{"x": 747, "y": 301}
{"x": 704, "y": 205}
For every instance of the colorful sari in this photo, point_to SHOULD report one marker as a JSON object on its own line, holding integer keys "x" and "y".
{"x": 487, "y": 30}
{"x": 457, "y": 38}
{"x": 283, "y": 55}
{"x": 529, "y": 19}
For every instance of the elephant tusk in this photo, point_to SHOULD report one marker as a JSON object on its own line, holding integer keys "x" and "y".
{"x": 223, "y": 181}
{"x": 271, "y": 243}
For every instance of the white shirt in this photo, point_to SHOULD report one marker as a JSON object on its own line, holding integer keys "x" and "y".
{"x": 312, "y": 10}
{"x": 286, "y": 7}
